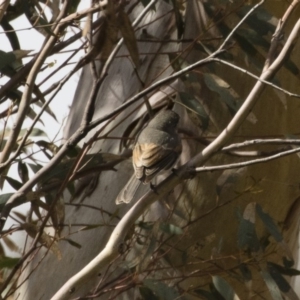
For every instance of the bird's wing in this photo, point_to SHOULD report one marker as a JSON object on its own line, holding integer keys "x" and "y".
{"x": 149, "y": 159}
{"x": 129, "y": 190}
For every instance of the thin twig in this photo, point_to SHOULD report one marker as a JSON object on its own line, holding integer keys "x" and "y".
{"x": 247, "y": 163}
{"x": 261, "y": 142}
{"x": 224, "y": 62}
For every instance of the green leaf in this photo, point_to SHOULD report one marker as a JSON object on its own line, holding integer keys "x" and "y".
{"x": 248, "y": 49}
{"x": 23, "y": 171}
{"x": 260, "y": 20}
{"x": 269, "y": 223}
{"x": 20, "y": 216}
{"x": 272, "y": 286}
{"x": 35, "y": 132}
{"x": 46, "y": 145}
{"x": 263, "y": 23}
{"x": 288, "y": 263}
{"x": 145, "y": 225}
{"x": 8, "y": 262}
{"x": 178, "y": 63}
{"x": 194, "y": 106}
{"x": 253, "y": 37}
{"x": 170, "y": 228}
{"x": 161, "y": 290}
{"x": 48, "y": 109}
{"x": 147, "y": 294}
{"x": 11, "y": 61}
{"x": 284, "y": 270}
{"x": 246, "y": 272}
{"x": 129, "y": 36}
{"x": 71, "y": 188}
{"x": 73, "y": 6}
{"x": 146, "y": 256}
{"x": 73, "y": 151}
{"x": 226, "y": 93}
{"x": 278, "y": 278}
{"x": 13, "y": 182}
{"x": 145, "y": 2}
{"x": 223, "y": 287}
{"x": 89, "y": 227}
{"x": 6, "y": 59}
{"x": 247, "y": 237}
{"x": 4, "y": 198}
{"x": 35, "y": 167}
{"x": 273, "y": 230}
{"x": 178, "y": 18}
{"x": 10, "y": 244}
{"x": 73, "y": 243}
{"x": 228, "y": 179}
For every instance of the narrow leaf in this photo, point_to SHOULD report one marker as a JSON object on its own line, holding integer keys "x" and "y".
{"x": 73, "y": 243}
{"x": 13, "y": 182}
{"x": 161, "y": 290}
{"x": 247, "y": 237}
{"x": 3, "y": 199}
{"x": 129, "y": 37}
{"x": 195, "y": 108}
{"x": 269, "y": 223}
{"x": 273, "y": 230}
{"x": 223, "y": 287}
{"x": 272, "y": 286}
{"x": 170, "y": 229}
{"x": 147, "y": 294}
{"x": 284, "y": 270}
{"x": 6, "y": 59}
{"x": 23, "y": 171}
{"x": 8, "y": 262}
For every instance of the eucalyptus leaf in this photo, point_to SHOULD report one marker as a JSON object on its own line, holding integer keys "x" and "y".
{"x": 170, "y": 228}
{"x": 13, "y": 182}
{"x": 161, "y": 290}
{"x": 193, "y": 106}
{"x": 247, "y": 237}
{"x": 224, "y": 288}
{"x": 272, "y": 286}
{"x": 147, "y": 293}
{"x": 269, "y": 223}
{"x": 8, "y": 262}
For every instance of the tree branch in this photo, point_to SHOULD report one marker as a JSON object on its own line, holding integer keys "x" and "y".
{"x": 3, "y": 7}
{"x": 114, "y": 245}
{"x": 26, "y": 97}
{"x": 247, "y": 163}
{"x": 18, "y": 197}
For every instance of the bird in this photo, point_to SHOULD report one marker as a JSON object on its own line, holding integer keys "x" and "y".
{"x": 157, "y": 148}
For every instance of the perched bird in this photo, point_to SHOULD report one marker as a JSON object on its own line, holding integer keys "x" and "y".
{"x": 156, "y": 148}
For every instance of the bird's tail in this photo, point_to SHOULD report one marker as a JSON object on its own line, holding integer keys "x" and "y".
{"x": 129, "y": 190}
